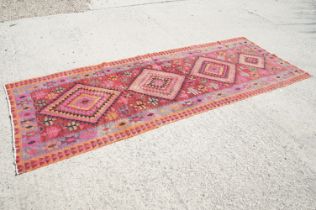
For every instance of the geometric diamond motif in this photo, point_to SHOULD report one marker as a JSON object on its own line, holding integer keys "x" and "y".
{"x": 251, "y": 60}
{"x": 157, "y": 83}
{"x": 213, "y": 69}
{"x": 82, "y": 103}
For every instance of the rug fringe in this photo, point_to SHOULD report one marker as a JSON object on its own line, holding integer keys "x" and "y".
{"x": 12, "y": 130}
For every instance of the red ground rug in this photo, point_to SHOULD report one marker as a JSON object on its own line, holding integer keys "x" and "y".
{"x": 65, "y": 114}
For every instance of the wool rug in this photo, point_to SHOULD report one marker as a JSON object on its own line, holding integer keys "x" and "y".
{"x": 65, "y": 114}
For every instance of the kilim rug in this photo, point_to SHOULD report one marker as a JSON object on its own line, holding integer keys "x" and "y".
{"x": 65, "y": 114}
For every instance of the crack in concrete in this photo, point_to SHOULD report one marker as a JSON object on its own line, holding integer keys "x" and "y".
{"x": 259, "y": 16}
{"x": 140, "y": 4}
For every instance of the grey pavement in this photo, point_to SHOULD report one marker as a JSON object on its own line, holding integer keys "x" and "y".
{"x": 258, "y": 153}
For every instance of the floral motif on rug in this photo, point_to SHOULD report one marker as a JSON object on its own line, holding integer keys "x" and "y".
{"x": 65, "y": 114}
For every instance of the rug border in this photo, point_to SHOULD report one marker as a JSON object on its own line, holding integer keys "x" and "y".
{"x": 129, "y": 132}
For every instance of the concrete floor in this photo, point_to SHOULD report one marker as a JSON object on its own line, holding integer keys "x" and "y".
{"x": 259, "y": 153}
{"x": 17, "y": 9}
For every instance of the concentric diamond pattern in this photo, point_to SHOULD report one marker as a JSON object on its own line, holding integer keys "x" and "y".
{"x": 251, "y": 60}
{"x": 213, "y": 69}
{"x": 158, "y": 83}
{"x": 82, "y": 103}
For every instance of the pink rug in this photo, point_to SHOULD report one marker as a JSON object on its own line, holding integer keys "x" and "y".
{"x": 65, "y": 114}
